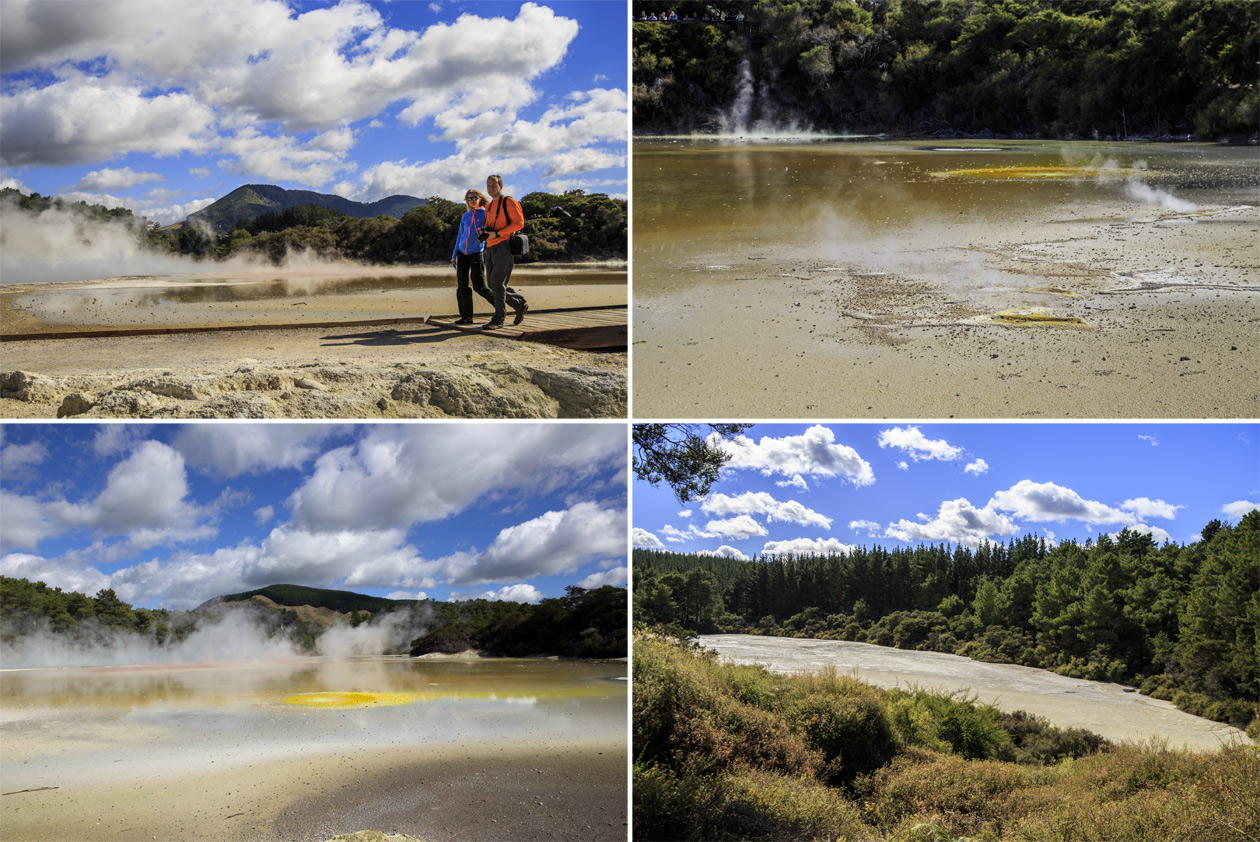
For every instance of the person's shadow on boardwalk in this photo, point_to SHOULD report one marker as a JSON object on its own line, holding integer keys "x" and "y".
{"x": 391, "y": 336}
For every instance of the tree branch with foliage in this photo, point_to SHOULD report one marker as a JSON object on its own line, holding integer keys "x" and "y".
{"x": 681, "y": 457}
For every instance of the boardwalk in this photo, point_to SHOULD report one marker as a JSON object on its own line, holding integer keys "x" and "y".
{"x": 582, "y": 328}
{"x": 585, "y": 328}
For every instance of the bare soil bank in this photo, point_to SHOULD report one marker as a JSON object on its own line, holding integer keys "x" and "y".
{"x": 481, "y": 792}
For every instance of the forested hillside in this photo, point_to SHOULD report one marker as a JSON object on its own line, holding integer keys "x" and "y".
{"x": 569, "y": 227}
{"x": 253, "y": 200}
{"x": 1055, "y": 68}
{"x": 1180, "y": 622}
{"x": 26, "y": 606}
{"x": 582, "y": 623}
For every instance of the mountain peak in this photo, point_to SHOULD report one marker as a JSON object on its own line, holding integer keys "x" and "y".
{"x": 252, "y": 200}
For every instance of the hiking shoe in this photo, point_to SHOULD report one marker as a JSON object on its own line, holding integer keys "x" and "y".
{"x": 492, "y": 325}
{"x": 520, "y": 314}
{"x": 463, "y": 322}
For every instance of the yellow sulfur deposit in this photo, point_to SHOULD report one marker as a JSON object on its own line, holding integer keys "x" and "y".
{"x": 1037, "y": 172}
{"x": 355, "y": 699}
{"x": 1036, "y": 319}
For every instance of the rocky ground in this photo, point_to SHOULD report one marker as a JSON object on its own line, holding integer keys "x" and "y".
{"x": 402, "y": 371}
{"x": 228, "y": 367}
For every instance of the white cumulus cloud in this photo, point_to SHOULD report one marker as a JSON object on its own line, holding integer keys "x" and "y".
{"x": 807, "y": 546}
{"x": 726, "y": 551}
{"x": 956, "y": 521}
{"x": 615, "y": 576}
{"x": 911, "y": 440}
{"x": 739, "y": 527}
{"x": 512, "y": 593}
{"x": 230, "y": 450}
{"x": 145, "y": 498}
{"x": 1047, "y": 501}
{"x": 1238, "y": 508}
{"x": 555, "y": 542}
{"x": 797, "y": 481}
{"x": 814, "y": 453}
{"x": 1144, "y": 507}
{"x": 762, "y": 503}
{"x": 643, "y": 538}
{"x": 17, "y": 459}
{"x": 387, "y": 478}
{"x": 112, "y": 179}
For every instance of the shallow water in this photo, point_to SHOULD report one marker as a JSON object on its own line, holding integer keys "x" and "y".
{"x": 176, "y": 299}
{"x": 1107, "y": 709}
{"x": 65, "y": 724}
{"x": 873, "y": 203}
{"x": 927, "y": 279}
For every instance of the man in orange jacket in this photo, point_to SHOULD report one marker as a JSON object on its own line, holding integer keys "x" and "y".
{"x": 504, "y": 217}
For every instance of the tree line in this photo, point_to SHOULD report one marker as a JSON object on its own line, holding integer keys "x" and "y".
{"x": 1056, "y": 68}
{"x": 571, "y": 226}
{"x": 1178, "y": 621}
{"x": 582, "y": 623}
{"x": 27, "y": 606}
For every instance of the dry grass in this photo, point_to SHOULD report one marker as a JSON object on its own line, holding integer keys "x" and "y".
{"x": 735, "y": 752}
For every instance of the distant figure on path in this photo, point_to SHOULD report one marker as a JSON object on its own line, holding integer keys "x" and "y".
{"x": 467, "y": 256}
{"x": 504, "y": 217}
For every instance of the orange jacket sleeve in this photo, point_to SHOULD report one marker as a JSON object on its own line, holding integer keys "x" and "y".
{"x": 507, "y": 221}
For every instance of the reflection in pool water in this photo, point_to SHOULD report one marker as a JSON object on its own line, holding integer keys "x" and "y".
{"x": 168, "y": 718}
{"x": 289, "y": 749}
{"x": 265, "y": 297}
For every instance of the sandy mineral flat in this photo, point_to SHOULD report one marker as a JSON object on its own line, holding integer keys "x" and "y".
{"x": 401, "y": 369}
{"x": 483, "y": 792}
{"x": 1111, "y": 710}
{"x": 1154, "y": 316}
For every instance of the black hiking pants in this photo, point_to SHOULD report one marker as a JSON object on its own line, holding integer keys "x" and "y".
{"x": 498, "y": 272}
{"x": 469, "y": 266}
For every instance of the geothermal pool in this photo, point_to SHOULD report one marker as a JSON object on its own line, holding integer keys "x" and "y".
{"x": 1106, "y": 709}
{"x": 297, "y": 749}
{"x": 253, "y": 295}
{"x": 944, "y": 279}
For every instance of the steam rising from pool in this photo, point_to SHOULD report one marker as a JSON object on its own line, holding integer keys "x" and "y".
{"x": 1134, "y": 186}
{"x": 753, "y": 116}
{"x": 240, "y": 635}
{"x": 58, "y": 245}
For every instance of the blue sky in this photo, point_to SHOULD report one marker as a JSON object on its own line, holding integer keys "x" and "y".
{"x": 174, "y": 514}
{"x": 163, "y": 107}
{"x": 792, "y": 488}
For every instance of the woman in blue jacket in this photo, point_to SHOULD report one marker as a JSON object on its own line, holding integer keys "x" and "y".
{"x": 467, "y": 256}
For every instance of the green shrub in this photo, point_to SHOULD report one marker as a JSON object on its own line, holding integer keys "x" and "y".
{"x": 1035, "y": 741}
{"x": 950, "y": 721}
{"x": 846, "y": 720}
{"x": 686, "y": 715}
{"x": 737, "y": 752}
{"x": 958, "y": 796}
